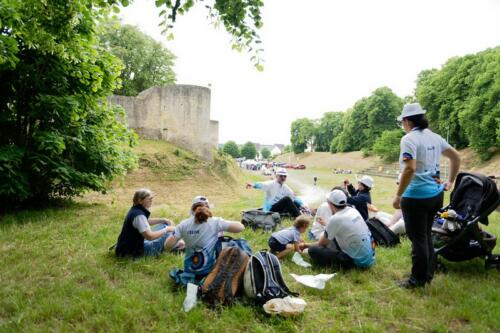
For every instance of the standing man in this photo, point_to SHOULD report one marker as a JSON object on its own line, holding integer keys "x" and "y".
{"x": 279, "y": 197}
{"x": 420, "y": 194}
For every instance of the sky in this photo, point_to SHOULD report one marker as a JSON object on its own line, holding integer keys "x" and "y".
{"x": 320, "y": 55}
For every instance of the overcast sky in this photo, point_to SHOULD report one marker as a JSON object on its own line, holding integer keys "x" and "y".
{"x": 319, "y": 56}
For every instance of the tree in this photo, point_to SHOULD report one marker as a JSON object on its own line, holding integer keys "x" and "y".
{"x": 302, "y": 135}
{"x": 383, "y": 107}
{"x": 266, "y": 153}
{"x": 58, "y": 135}
{"x": 249, "y": 151}
{"x": 329, "y": 127}
{"x": 240, "y": 18}
{"x": 146, "y": 62}
{"x": 461, "y": 100}
{"x": 232, "y": 149}
{"x": 387, "y": 145}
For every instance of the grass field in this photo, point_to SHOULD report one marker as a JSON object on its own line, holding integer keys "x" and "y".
{"x": 57, "y": 274}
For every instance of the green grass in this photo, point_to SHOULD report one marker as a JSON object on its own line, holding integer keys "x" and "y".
{"x": 57, "y": 275}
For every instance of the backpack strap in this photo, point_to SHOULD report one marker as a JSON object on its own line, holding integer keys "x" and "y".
{"x": 279, "y": 277}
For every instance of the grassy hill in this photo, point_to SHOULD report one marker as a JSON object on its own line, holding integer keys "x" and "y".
{"x": 58, "y": 276}
{"x": 356, "y": 162}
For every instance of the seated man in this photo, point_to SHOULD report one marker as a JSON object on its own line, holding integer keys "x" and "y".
{"x": 346, "y": 241}
{"x": 360, "y": 197}
{"x": 279, "y": 197}
{"x": 136, "y": 238}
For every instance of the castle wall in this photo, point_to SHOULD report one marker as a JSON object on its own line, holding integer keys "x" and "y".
{"x": 179, "y": 114}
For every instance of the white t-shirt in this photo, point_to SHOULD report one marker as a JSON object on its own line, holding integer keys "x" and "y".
{"x": 325, "y": 213}
{"x": 350, "y": 231}
{"x": 140, "y": 222}
{"x": 425, "y": 147}
{"x": 200, "y": 236}
{"x": 274, "y": 192}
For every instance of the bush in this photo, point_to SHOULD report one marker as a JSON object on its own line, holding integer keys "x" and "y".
{"x": 387, "y": 146}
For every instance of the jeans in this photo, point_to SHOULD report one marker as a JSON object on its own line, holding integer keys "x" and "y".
{"x": 418, "y": 215}
{"x": 156, "y": 247}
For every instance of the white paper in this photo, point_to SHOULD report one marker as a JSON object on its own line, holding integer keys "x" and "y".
{"x": 297, "y": 258}
{"x": 191, "y": 297}
{"x": 313, "y": 281}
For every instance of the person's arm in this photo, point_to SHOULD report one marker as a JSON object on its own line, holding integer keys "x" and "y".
{"x": 323, "y": 240}
{"x": 160, "y": 220}
{"x": 350, "y": 188}
{"x": 410, "y": 166}
{"x": 235, "y": 227}
{"x": 171, "y": 241}
{"x": 452, "y": 154}
{"x": 152, "y": 235}
{"x": 356, "y": 200}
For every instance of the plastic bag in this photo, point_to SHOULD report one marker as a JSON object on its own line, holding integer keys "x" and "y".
{"x": 191, "y": 297}
{"x": 287, "y": 307}
{"x": 297, "y": 258}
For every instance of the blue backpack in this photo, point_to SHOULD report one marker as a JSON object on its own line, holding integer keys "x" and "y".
{"x": 263, "y": 279}
{"x": 227, "y": 241}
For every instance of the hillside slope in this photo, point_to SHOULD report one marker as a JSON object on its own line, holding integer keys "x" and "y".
{"x": 356, "y": 162}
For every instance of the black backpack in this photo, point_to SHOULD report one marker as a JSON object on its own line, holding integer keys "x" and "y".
{"x": 263, "y": 280}
{"x": 257, "y": 218}
{"x": 382, "y": 235}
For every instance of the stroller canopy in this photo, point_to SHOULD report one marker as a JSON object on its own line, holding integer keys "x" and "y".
{"x": 474, "y": 195}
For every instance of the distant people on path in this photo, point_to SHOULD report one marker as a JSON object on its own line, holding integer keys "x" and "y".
{"x": 346, "y": 241}
{"x": 420, "y": 193}
{"x": 136, "y": 238}
{"x": 200, "y": 233}
{"x": 360, "y": 197}
{"x": 279, "y": 197}
{"x": 286, "y": 241}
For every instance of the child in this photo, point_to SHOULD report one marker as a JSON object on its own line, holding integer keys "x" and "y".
{"x": 288, "y": 240}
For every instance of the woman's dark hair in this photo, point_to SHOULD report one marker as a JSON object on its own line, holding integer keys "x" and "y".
{"x": 419, "y": 121}
{"x": 201, "y": 215}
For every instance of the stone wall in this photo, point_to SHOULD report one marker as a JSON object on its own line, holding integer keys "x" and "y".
{"x": 179, "y": 114}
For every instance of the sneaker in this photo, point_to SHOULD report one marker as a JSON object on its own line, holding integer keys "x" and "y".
{"x": 408, "y": 284}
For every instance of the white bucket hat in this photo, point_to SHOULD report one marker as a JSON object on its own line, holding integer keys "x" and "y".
{"x": 281, "y": 172}
{"x": 367, "y": 181}
{"x": 337, "y": 197}
{"x": 411, "y": 110}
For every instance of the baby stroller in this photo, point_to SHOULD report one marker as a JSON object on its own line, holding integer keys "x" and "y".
{"x": 457, "y": 235}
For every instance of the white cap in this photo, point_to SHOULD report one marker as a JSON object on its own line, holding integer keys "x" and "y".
{"x": 367, "y": 181}
{"x": 281, "y": 172}
{"x": 411, "y": 110}
{"x": 200, "y": 198}
{"x": 337, "y": 197}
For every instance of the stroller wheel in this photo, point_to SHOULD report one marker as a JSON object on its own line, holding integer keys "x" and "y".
{"x": 492, "y": 261}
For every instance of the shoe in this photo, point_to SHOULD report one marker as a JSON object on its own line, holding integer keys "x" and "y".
{"x": 409, "y": 284}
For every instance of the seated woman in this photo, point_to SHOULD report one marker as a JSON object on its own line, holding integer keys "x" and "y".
{"x": 200, "y": 233}
{"x": 136, "y": 238}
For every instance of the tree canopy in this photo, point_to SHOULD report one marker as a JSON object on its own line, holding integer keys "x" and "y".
{"x": 232, "y": 149}
{"x": 58, "y": 135}
{"x": 462, "y": 100}
{"x": 248, "y": 150}
{"x": 146, "y": 62}
{"x": 303, "y": 131}
{"x": 266, "y": 153}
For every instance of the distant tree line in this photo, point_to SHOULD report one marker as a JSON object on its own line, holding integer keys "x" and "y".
{"x": 462, "y": 100}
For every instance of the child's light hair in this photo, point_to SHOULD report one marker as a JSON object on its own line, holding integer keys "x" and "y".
{"x": 302, "y": 221}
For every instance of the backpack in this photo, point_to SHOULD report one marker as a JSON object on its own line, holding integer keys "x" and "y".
{"x": 227, "y": 241}
{"x": 259, "y": 219}
{"x": 382, "y": 235}
{"x": 222, "y": 284}
{"x": 263, "y": 279}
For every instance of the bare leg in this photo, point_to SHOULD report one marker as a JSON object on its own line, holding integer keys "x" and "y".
{"x": 289, "y": 249}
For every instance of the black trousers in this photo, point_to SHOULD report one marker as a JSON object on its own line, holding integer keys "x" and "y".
{"x": 330, "y": 255}
{"x": 418, "y": 215}
{"x": 286, "y": 205}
